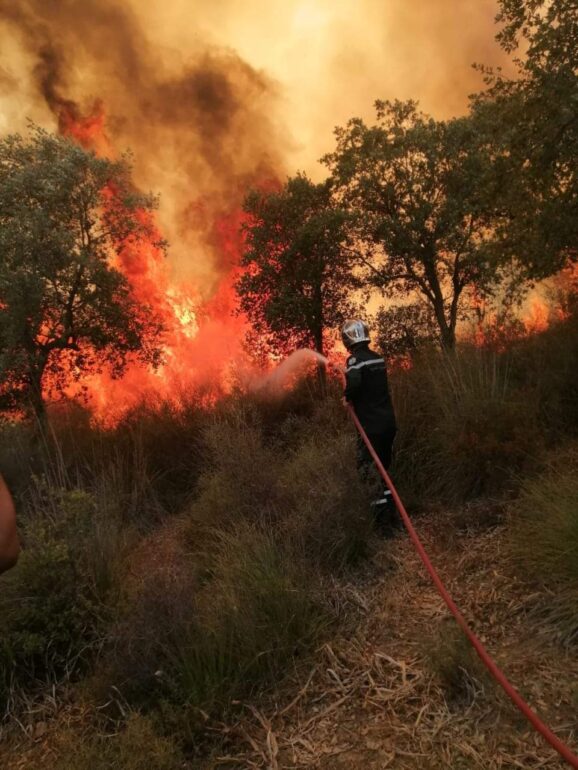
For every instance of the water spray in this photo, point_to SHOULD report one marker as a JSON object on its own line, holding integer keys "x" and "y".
{"x": 291, "y": 368}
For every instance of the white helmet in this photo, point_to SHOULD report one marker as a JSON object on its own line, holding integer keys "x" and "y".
{"x": 353, "y": 332}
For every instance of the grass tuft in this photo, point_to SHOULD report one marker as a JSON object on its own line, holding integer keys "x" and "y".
{"x": 449, "y": 655}
{"x": 544, "y": 540}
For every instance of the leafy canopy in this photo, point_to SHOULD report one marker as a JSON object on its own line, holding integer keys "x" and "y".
{"x": 417, "y": 191}
{"x": 297, "y": 255}
{"x": 532, "y": 123}
{"x": 65, "y": 217}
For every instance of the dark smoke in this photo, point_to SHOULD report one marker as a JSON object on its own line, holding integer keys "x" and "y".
{"x": 200, "y": 130}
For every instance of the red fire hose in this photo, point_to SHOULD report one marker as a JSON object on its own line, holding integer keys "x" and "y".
{"x": 510, "y": 690}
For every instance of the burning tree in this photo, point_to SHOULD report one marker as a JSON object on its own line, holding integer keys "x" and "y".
{"x": 297, "y": 260}
{"x": 65, "y": 216}
{"x": 417, "y": 192}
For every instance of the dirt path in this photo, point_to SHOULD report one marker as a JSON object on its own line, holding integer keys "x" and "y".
{"x": 404, "y": 690}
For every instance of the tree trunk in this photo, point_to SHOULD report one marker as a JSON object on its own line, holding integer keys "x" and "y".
{"x": 448, "y": 338}
{"x": 447, "y": 331}
{"x": 435, "y": 296}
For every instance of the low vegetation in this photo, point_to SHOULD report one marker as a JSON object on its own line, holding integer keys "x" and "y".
{"x": 190, "y": 599}
{"x": 544, "y": 541}
{"x": 171, "y": 581}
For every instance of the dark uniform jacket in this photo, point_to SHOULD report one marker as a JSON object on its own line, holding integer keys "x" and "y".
{"x": 367, "y": 390}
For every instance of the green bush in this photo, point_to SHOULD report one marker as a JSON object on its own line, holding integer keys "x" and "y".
{"x": 229, "y": 593}
{"x": 474, "y": 421}
{"x": 54, "y": 605}
{"x": 303, "y": 481}
{"x": 218, "y": 599}
{"x": 46, "y": 619}
{"x": 545, "y": 366}
{"x": 240, "y": 481}
{"x": 544, "y": 540}
{"x": 465, "y": 428}
{"x": 203, "y": 637}
{"x": 256, "y": 612}
{"x": 326, "y": 507}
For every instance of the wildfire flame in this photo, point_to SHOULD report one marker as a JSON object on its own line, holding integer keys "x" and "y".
{"x": 203, "y": 355}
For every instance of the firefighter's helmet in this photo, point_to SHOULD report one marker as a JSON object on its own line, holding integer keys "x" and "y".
{"x": 354, "y": 332}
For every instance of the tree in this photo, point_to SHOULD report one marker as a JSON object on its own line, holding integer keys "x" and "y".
{"x": 64, "y": 307}
{"x": 418, "y": 192}
{"x": 297, "y": 281}
{"x": 401, "y": 329}
{"x": 532, "y": 124}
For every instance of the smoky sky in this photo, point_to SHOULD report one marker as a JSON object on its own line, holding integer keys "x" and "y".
{"x": 199, "y": 129}
{"x": 213, "y": 97}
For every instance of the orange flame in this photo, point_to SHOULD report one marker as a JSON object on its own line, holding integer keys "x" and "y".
{"x": 203, "y": 354}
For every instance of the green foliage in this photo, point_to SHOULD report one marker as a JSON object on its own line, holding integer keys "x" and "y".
{"x": 256, "y": 612}
{"x": 55, "y": 602}
{"x": 45, "y": 617}
{"x": 308, "y": 489}
{"x": 296, "y": 286}
{"x": 214, "y": 603}
{"x": 239, "y": 612}
{"x": 545, "y": 365}
{"x": 232, "y": 592}
{"x": 544, "y": 540}
{"x": 531, "y": 124}
{"x": 402, "y": 330}
{"x": 327, "y": 506}
{"x": 471, "y": 423}
{"x": 415, "y": 187}
{"x": 64, "y": 308}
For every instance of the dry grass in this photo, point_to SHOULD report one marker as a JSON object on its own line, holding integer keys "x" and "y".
{"x": 466, "y": 426}
{"x": 369, "y": 698}
{"x": 373, "y": 701}
{"x": 543, "y": 539}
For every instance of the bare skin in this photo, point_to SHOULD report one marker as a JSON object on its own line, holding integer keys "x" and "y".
{"x": 9, "y": 542}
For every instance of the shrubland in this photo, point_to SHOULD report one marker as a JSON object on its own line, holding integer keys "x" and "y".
{"x": 183, "y": 562}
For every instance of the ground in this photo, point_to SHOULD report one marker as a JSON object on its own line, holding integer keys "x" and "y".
{"x": 404, "y": 690}
{"x": 399, "y": 686}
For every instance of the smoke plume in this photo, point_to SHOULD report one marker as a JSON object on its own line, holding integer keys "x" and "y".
{"x": 213, "y": 98}
{"x": 200, "y": 127}
{"x": 184, "y": 86}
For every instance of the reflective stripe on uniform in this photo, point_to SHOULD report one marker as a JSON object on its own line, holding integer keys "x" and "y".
{"x": 379, "y": 361}
{"x": 384, "y": 499}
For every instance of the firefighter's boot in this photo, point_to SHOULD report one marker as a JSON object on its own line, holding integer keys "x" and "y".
{"x": 383, "y": 509}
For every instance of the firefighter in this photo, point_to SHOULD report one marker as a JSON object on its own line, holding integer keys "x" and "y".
{"x": 367, "y": 390}
{"x": 9, "y": 543}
